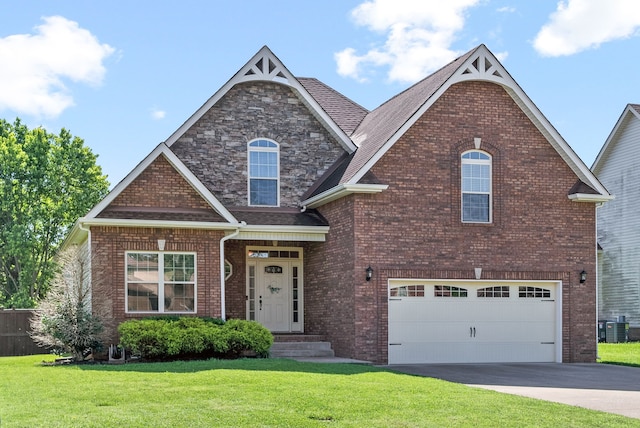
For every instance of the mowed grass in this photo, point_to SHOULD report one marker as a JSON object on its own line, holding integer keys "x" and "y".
{"x": 627, "y": 354}
{"x": 261, "y": 393}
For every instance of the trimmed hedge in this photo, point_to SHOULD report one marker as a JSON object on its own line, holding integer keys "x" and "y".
{"x": 173, "y": 337}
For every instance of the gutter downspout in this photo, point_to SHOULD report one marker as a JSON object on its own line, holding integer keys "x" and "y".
{"x": 82, "y": 227}
{"x": 597, "y": 286}
{"x": 223, "y": 308}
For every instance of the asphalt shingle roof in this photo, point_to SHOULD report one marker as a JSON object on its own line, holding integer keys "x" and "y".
{"x": 346, "y": 113}
{"x": 383, "y": 122}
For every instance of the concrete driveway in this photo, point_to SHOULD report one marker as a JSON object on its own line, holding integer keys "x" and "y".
{"x": 604, "y": 387}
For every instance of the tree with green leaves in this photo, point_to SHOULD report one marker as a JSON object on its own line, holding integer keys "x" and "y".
{"x": 47, "y": 181}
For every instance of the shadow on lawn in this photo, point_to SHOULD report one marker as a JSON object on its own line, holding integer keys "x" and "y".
{"x": 257, "y": 364}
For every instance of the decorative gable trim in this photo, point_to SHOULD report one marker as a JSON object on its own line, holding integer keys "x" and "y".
{"x": 163, "y": 150}
{"x": 265, "y": 66}
{"x": 482, "y": 65}
{"x": 630, "y": 112}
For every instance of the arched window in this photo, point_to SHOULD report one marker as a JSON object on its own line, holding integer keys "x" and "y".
{"x": 476, "y": 187}
{"x": 264, "y": 173}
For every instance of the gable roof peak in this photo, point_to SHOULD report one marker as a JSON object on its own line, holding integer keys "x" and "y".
{"x": 265, "y": 66}
{"x": 630, "y": 111}
{"x": 384, "y": 126}
{"x": 162, "y": 150}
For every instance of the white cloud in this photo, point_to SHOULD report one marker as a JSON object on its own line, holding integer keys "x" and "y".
{"x": 577, "y": 25}
{"x": 419, "y": 35}
{"x": 506, "y": 9}
{"x": 35, "y": 66}
{"x": 158, "y": 114}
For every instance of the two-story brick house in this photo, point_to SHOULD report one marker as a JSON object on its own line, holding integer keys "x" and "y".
{"x": 450, "y": 224}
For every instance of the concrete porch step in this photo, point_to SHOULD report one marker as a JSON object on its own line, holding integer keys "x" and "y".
{"x": 297, "y": 337}
{"x": 301, "y": 349}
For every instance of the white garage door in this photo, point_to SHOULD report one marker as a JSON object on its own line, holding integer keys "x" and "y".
{"x": 473, "y": 322}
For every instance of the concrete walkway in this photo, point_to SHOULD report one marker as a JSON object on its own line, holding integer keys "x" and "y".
{"x": 604, "y": 387}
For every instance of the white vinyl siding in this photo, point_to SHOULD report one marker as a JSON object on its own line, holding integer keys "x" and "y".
{"x": 619, "y": 227}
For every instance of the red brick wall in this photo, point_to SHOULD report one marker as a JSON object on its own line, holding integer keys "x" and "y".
{"x": 413, "y": 229}
{"x": 109, "y": 244}
{"x": 331, "y": 280}
{"x": 160, "y": 185}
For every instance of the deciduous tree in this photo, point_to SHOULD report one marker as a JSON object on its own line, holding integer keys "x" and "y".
{"x": 47, "y": 181}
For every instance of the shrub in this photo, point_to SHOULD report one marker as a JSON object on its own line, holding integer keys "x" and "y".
{"x": 64, "y": 320}
{"x": 249, "y": 335}
{"x": 192, "y": 337}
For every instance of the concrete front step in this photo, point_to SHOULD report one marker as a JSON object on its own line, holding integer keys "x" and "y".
{"x": 301, "y": 349}
{"x": 297, "y": 337}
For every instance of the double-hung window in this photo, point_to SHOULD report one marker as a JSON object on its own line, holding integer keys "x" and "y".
{"x": 476, "y": 187}
{"x": 161, "y": 282}
{"x": 264, "y": 173}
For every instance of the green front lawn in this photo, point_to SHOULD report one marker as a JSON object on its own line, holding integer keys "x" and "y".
{"x": 270, "y": 392}
{"x": 627, "y": 354}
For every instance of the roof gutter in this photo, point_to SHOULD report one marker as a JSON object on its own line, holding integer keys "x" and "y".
{"x": 341, "y": 191}
{"x": 158, "y": 223}
{"x": 590, "y": 197}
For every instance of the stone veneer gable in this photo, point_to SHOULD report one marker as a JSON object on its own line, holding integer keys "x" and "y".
{"x": 215, "y": 147}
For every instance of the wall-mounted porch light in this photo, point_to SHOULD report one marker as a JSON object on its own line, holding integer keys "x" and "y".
{"x": 583, "y": 276}
{"x": 369, "y": 272}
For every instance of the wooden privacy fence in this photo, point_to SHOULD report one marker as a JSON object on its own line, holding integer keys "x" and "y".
{"x": 14, "y": 336}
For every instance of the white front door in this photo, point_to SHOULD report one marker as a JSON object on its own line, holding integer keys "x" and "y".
{"x": 274, "y": 288}
{"x": 273, "y": 294}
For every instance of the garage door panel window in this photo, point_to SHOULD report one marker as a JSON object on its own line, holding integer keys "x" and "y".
{"x": 449, "y": 291}
{"x": 534, "y": 292}
{"x": 407, "y": 291}
{"x": 497, "y": 291}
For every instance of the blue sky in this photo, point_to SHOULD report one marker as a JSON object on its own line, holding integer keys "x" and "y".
{"x": 123, "y": 75}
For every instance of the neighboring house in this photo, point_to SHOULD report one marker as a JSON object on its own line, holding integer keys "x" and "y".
{"x": 450, "y": 224}
{"x": 619, "y": 223}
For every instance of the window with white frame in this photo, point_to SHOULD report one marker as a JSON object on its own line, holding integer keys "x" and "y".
{"x": 476, "y": 187}
{"x": 161, "y": 282}
{"x": 264, "y": 173}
